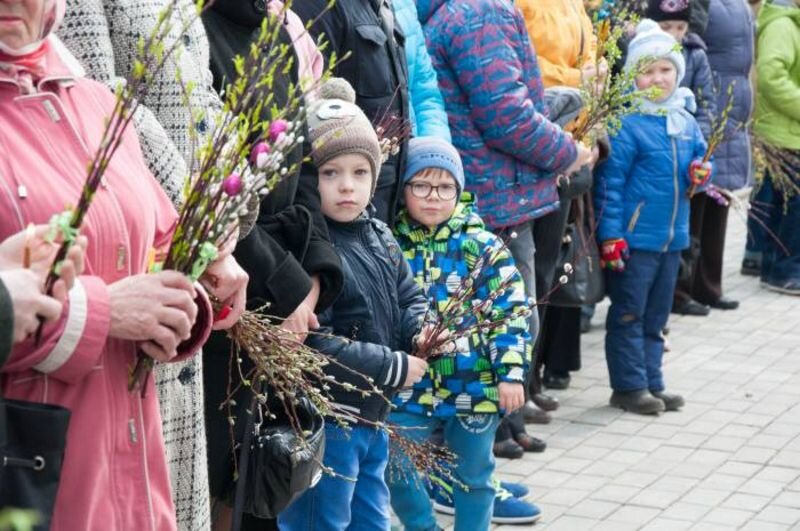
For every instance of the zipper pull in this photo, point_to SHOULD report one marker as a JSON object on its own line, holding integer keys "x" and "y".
{"x": 22, "y": 191}
{"x": 132, "y": 431}
{"x": 122, "y": 254}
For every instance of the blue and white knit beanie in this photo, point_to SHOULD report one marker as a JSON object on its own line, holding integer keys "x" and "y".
{"x": 432, "y": 152}
{"x": 652, "y": 42}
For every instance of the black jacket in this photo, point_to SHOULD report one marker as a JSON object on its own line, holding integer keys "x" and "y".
{"x": 375, "y": 318}
{"x": 6, "y": 324}
{"x": 288, "y": 244}
{"x": 376, "y": 68}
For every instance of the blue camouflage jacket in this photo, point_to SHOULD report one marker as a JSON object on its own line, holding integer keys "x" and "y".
{"x": 466, "y": 382}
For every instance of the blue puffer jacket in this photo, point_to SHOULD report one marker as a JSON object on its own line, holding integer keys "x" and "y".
{"x": 699, "y": 80}
{"x": 640, "y": 192}
{"x": 371, "y": 325}
{"x": 729, "y": 38}
{"x": 428, "y": 117}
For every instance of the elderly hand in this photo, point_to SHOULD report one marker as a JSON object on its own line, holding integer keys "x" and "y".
{"x": 227, "y": 281}
{"x": 512, "y": 396}
{"x": 303, "y": 318}
{"x": 157, "y": 310}
{"x": 25, "y": 289}
{"x": 584, "y": 158}
{"x": 40, "y": 254}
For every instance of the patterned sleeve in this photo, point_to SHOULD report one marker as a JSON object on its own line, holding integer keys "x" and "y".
{"x": 500, "y": 102}
{"x": 510, "y": 345}
{"x": 87, "y": 34}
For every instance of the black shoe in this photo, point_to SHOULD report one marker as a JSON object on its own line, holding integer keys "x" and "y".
{"x": 556, "y": 380}
{"x": 723, "y": 303}
{"x": 529, "y": 443}
{"x": 672, "y": 402}
{"x": 751, "y": 268}
{"x": 692, "y": 308}
{"x": 641, "y": 402}
{"x": 535, "y": 415}
{"x": 545, "y": 402}
{"x": 508, "y": 449}
{"x": 586, "y": 324}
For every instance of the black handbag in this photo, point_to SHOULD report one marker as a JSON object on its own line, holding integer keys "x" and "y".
{"x": 33, "y": 437}
{"x": 275, "y": 465}
{"x": 586, "y": 283}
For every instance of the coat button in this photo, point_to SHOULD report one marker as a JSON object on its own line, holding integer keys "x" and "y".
{"x": 186, "y": 375}
{"x": 202, "y": 126}
{"x": 260, "y": 6}
{"x": 187, "y": 40}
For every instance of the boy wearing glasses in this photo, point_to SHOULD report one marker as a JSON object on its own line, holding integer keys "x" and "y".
{"x": 465, "y": 392}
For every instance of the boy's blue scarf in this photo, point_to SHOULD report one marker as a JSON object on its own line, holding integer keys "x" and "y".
{"x": 677, "y": 108}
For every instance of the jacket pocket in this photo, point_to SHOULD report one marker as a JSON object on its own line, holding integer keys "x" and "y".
{"x": 635, "y": 217}
{"x": 374, "y": 64}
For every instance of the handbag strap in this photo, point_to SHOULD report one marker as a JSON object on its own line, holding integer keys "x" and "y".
{"x": 244, "y": 457}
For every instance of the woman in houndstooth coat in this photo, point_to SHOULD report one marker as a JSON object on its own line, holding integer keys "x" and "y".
{"x": 103, "y": 35}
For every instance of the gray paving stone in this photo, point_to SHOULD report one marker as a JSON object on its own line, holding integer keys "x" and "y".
{"x": 690, "y": 512}
{"x": 747, "y": 502}
{"x": 728, "y": 517}
{"x": 634, "y": 515}
{"x": 780, "y": 515}
{"x": 615, "y": 493}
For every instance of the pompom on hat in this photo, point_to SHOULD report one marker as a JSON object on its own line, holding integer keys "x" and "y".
{"x": 337, "y": 126}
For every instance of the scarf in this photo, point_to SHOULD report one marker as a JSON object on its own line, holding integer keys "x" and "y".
{"x": 677, "y": 108}
{"x": 28, "y": 64}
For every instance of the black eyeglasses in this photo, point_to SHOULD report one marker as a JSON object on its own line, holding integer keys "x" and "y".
{"x": 423, "y": 190}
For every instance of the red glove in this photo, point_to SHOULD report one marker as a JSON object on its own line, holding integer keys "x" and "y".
{"x": 613, "y": 254}
{"x": 699, "y": 172}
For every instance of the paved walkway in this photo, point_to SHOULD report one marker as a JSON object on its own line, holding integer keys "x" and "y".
{"x": 729, "y": 460}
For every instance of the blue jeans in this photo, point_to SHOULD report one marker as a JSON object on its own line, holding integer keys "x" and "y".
{"x": 781, "y": 248}
{"x": 641, "y": 298}
{"x": 759, "y": 219}
{"x": 471, "y": 439}
{"x": 338, "y": 504}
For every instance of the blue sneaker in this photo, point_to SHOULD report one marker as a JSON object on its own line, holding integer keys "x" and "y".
{"x": 511, "y": 510}
{"x": 518, "y": 490}
{"x": 442, "y": 497}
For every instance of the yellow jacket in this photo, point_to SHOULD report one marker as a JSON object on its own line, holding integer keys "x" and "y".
{"x": 563, "y": 36}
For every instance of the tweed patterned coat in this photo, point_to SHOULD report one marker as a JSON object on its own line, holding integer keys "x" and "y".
{"x": 103, "y": 34}
{"x": 440, "y": 260}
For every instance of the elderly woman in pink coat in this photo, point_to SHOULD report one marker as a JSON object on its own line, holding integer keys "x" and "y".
{"x": 114, "y": 475}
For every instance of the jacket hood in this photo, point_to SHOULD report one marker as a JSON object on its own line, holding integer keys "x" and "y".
{"x": 464, "y": 217}
{"x": 426, "y": 9}
{"x": 248, "y": 13}
{"x": 693, "y": 40}
{"x": 771, "y": 12}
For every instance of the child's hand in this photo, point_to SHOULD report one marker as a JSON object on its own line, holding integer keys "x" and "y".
{"x": 417, "y": 368}
{"x": 700, "y": 172}
{"x": 444, "y": 346}
{"x": 613, "y": 254}
{"x": 512, "y": 396}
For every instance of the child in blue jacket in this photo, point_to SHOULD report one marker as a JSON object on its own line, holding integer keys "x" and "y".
{"x": 642, "y": 202}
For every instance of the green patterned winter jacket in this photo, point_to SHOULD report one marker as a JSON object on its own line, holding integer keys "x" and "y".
{"x": 465, "y": 382}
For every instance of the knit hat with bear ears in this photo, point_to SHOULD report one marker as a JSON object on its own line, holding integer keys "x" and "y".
{"x": 337, "y": 126}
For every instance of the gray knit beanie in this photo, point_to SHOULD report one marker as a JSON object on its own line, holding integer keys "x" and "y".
{"x": 337, "y": 126}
